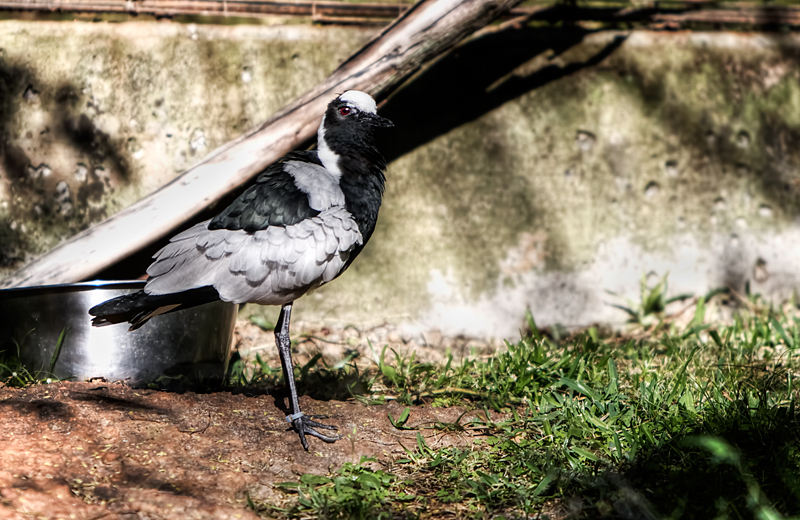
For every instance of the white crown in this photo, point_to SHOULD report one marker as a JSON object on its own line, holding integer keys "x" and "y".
{"x": 360, "y": 100}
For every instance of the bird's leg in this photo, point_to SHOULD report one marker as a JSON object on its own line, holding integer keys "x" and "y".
{"x": 301, "y": 422}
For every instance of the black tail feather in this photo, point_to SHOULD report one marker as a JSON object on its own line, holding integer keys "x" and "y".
{"x": 138, "y": 307}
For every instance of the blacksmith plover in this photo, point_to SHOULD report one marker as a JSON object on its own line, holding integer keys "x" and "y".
{"x": 299, "y": 226}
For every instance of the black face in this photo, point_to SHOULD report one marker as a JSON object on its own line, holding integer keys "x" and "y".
{"x": 348, "y": 114}
{"x": 348, "y": 130}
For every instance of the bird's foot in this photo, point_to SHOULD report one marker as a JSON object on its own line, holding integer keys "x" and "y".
{"x": 305, "y": 424}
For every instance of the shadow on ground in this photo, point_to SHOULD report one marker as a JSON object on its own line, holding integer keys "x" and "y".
{"x": 685, "y": 480}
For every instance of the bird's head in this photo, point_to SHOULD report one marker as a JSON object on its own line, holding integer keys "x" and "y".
{"x": 346, "y": 130}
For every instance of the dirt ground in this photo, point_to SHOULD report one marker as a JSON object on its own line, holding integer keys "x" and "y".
{"x": 90, "y": 450}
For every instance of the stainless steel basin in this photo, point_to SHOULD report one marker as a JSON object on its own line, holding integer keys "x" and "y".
{"x": 194, "y": 343}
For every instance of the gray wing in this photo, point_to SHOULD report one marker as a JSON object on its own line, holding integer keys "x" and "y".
{"x": 271, "y": 267}
{"x": 317, "y": 182}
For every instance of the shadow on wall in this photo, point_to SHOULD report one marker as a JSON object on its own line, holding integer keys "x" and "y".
{"x": 488, "y": 204}
{"x": 484, "y": 73}
{"x": 462, "y": 86}
{"x": 14, "y": 160}
{"x": 729, "y": 147}
{"x": 79, "y": 130}
{"x": 749, "y": 140}
{"x": 476, "y": 78}
{"x": 42, "y": 201}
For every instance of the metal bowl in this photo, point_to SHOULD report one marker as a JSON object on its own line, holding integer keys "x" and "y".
{"x": 194, "y": 343}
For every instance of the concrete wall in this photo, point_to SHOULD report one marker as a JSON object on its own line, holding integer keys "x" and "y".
{"x": 95, "y": 115}
{"x": 530, "y": 168}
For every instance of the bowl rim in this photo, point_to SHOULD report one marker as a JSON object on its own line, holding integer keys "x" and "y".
{"x": 92, "y": 285}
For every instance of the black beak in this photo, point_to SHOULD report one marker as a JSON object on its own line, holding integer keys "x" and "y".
{"x": 376, "y": 120}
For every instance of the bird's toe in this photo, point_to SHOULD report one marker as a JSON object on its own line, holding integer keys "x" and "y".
{"x": 305, "y": 426}
{"x": 316, "y": 424}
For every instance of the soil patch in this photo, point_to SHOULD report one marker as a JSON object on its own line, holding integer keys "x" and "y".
{"x": 90, "y": 450}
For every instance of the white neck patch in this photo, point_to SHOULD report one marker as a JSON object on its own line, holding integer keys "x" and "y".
{"x": 360, "y": 100}
{"x": 329, "y": 158}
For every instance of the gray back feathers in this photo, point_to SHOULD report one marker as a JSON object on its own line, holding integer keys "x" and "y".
{"x": 271, "y": 267}
{"x": 321, "y": 186}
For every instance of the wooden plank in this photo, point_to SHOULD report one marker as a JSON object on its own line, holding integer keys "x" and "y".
{"x": 214, "y": 7}
{"x": 757, "y": 17}
{"x": 678, "y": 12}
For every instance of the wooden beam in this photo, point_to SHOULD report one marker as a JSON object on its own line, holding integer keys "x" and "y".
{"x": 769, "y": 16}
{"x": 677, "y": 12}
{"x": 311, "y": 9}
{"x": 423, "y": 32}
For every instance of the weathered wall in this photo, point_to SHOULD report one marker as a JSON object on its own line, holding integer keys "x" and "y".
{"x": 96, "y": 115}
{"x": 530, "y": 168}
{"x": 587, "y": 160}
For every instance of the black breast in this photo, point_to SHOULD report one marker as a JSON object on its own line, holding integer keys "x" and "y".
{"x": 362, "y": 184}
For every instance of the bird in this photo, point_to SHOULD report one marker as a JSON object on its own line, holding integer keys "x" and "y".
{"x": 299, "y": 226}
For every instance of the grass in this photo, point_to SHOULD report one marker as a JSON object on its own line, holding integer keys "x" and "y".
{"x": 14, "y": 373}
{"x": 696, "y": 420}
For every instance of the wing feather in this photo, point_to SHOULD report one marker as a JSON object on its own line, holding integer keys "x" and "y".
{"x": 331, "y": 242}
{"x": 237, "y": 264}
{"x": 165, "y": 265}
{"x": 215, "y": 251}
{"x": 290, "y": 255}
{"x": 192, "y": 232}
{"x": 256, "y": 273}
{"x": 334, "y": 269}
{"x": 270, "y": 266}
{"x": 234, "y": 242}
{"x": 175, "y": 249}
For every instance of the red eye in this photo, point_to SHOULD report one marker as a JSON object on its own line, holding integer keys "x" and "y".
{"x": 344, "y": 111}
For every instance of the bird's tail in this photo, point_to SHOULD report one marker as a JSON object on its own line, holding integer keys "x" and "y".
{"x": 138, "y": 307}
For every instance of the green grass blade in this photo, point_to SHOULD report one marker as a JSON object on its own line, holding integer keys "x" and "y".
{"x": 585, "y": 453}
{"x": 613, "y": 378}
{"x": 578, "y": 387}
{"x": 699, "y": 312}
{"x": 543, "y": 485}
{"x": 632, "y": 313}
{"x": 532, "y": 325}
{"x": 779, "y": 329}
{"x": 694, "y": 330}
{"x": 680, "y": 298}
{"x": 400, "y": 423}
{"x": 262, "y": 323}
{"x": 59, "y": 344}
